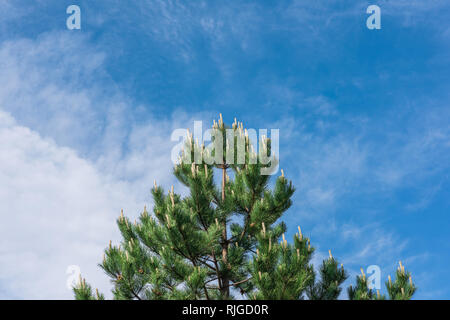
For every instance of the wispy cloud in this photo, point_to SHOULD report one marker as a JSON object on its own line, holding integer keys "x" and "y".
{"x": 64, "y": 181}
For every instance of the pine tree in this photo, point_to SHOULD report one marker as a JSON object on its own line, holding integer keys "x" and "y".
{"x": 403, "y": 287}
{"x": 224, "y": 240}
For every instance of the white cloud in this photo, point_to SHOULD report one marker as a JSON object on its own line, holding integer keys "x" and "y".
{"x": 51, "y": 83}
{"x": 70, "y": 159}
{"x": 71, "y": 156}
{"x": 57, "y": 210}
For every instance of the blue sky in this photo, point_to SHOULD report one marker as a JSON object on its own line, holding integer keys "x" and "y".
{"x": 86, "y": 117}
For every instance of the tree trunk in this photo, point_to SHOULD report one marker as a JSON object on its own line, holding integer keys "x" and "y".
{"x": 225, "y": 281}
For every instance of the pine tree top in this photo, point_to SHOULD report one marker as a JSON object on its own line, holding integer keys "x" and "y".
{"x": 224, "y": 240}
